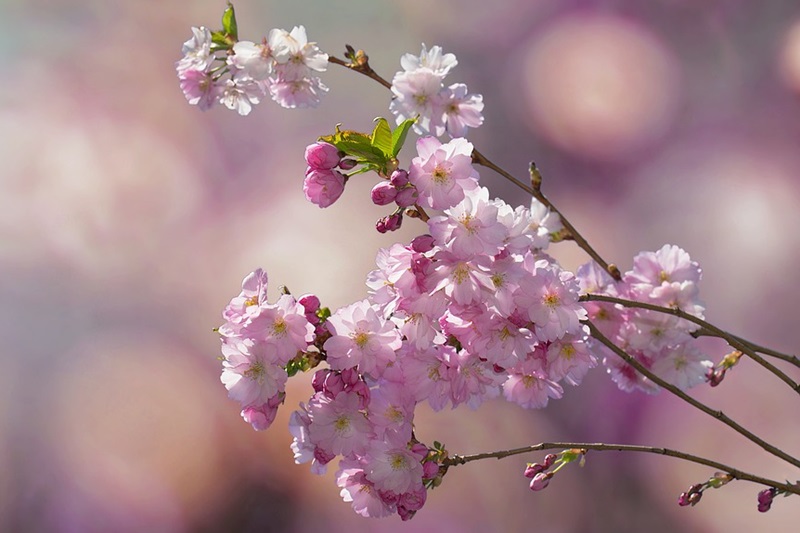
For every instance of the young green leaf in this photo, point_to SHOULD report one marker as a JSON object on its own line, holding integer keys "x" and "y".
{"x": 399, "y": 135}
{"x": 382, "y": 137}
{"x": 229, "y": 23}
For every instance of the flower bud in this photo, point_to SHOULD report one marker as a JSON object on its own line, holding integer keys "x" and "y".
{"x": 430, "y": 469}
{"x": 532, "y": 469}
{"x": 406, "y": 197}
{"x": 390, "y": 223}
{"x": 323, "y": 186}
{"x": 399, "y": 178}
{"x": 549, "y": 460}
{"x": 765, "y": 498}
{"x": 383, "y": 193}
{"x": 541, "y": 480}
{"x": 309, "y": 302}
{"x": 318, "y": 381}
{"x": 322, "y": 156}
{"x": 422, "y": 243}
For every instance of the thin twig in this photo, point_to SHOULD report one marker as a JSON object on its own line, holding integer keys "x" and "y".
{"x": 734, "y": 341}
{"x": 792, "y": 359}
{"x": 735, "y": 473}
{"x": 719, "y": 415}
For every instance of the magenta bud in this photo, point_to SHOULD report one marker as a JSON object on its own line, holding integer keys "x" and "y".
{"x": 541, "y": 480}
{"x": 423, "y": 243}
{"x": 399, "y": 178}
{"x": 350, "y": 376}
{"x": 406, "y": 197}
{"x": 334, "y": 384}
{"x": 362, "y": 390}
{"x": 549, "y": 460}
{"x": 318, "y": 381}
{"x": 390, "y": 223}
{"x": 383, "y": 193}
{"x": 430, "y": 469}
{"x": 714, "y": 376}
{"x": 419, "y": 449}
{"x": 322, "y": 156}
{"x": 309, "y": 302}
{"x": 765, "y": 498}
{"x": 532, "y": 469}
{"x": 347, "y": 164}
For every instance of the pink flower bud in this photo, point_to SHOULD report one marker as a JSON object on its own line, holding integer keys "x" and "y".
{"x": 430, "y": 469}
{"x": 390, "y": 223}
{"x": 383, "y": 193}
{"x": 362, "y": 390}
{"x": 399, "y": 178}
{"x": 765, "y": 498}
{"x": 323, "y": 187}
{"x": 422, "y": 243}
{"x": 333, "y": 385}
{"x": 322, "y": 156}
{"x": 406, "y": 197}
{"x": 532, "y": 469}
{"x": 549, "y": 460}
{"x": 309, "y": 302}
{"x": 541, "y": 480}
{"x": 318, "y": 381}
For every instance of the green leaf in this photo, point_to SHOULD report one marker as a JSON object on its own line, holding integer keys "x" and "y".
{"x": 382, "y": 137}
{"x": 357, "y": 145}
{"x": 229, "y": 23}
{"x": 220, "y": 38}
{"x": 399, "y": 135}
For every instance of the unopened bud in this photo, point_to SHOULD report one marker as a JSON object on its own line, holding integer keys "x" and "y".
{"x": 422, "y": 243}
{"x": 541, "y": 480}
{"x": 765, "y": 498}
{"x": 532, "y": 469}
{"x": 399, "y": 178}
{"x": 383, "y": 193}
{"x": 390, "y": 223}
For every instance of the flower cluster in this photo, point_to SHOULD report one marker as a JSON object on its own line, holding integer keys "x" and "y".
{"x": 259, "y": 340}
{"x": 661, "y": 342}
{"x": 419, "y": 90}
{"x": 238, "y": 74}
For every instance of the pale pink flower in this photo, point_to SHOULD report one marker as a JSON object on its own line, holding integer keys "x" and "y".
{"x": 529, "y": 386}
{"x": 196, "y": 52}
{"x": 359, "y": 337}
{"x": 296, "y": 56}
{"x": 200, "y": 88}
{"x": 255, "y": 60}
{"x": 470, "y": 227}
{"x": 416, "y": 94}
{"x": 248, "y": 304}
{"x": 434, "y": 59}
{"x": 250, "y": 372}
{"x": 283, "y": 325}
{"x": 337, "y": 424}
{"x": 473, "y": 380}
{"x": 461, "y": 110}
{"x": 442, "y": 172}
{"x": 392, "y": 467}
{"x": 296, "y": 93}
{"x": 360, "y": 492}
{"x": 683, "y": 366}
{"x": 240, "y": 93}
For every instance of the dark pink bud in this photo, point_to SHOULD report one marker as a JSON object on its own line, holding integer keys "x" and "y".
{"x": 350, "y": 376}
{"x": 383, "y": 193}
{"x": 532, "y": 469}
{"x": 413, "y": 501}
{"x": 390, "y": 223}
{"x": 334, "y": 384}
{"x": 714, "y": 376}
{"x": 549, "y": 460}
{"x": 322, "y": 456}
{"x": 318, "y": 381}
{"x": 322, "y": 156}
{"x": 430, "y": 469}
{"x": 362, "y": 390}
{"x": 347, "y": 164}
{"x": 541, "y": 480}
{"x": 765, "y": 498}
{"x": 422, "y": 243}
{"x": 419, "y": 450}
{"x": 399, "y": 178}
{"x": 309, "y": 302}
{"x": 406, "y": 197}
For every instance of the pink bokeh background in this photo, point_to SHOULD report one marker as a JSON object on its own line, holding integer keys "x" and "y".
{"x": 128, "y": 218}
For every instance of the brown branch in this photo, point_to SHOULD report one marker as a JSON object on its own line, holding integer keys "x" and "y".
{"x": 734, "y": 341}
{"x": 719, "y": 415}
{"x": 792, "y": 359}
{"x": 735, "y": 473}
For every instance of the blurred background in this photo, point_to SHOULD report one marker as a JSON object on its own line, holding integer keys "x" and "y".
{"x": 128, "y": 219}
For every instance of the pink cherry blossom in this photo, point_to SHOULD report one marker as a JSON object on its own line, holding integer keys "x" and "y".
{"x": 442, "y": 172}
{"x": 323, "y": 187}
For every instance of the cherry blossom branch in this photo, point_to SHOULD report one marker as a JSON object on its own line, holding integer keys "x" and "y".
{"x": 793, "y": 359}
{"x": 360, "y": 63}
{"x": 734, "y": 341}
{"x": 719, "y": 415}
{"x": 735, "y": 473}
